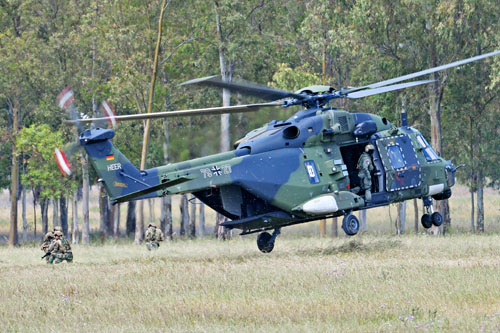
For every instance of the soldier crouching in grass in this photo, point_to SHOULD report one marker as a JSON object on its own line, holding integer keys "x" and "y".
{"x": 47, "y": 240}
{"x": 60, "y": 249}
{"x": 153, "y": 237}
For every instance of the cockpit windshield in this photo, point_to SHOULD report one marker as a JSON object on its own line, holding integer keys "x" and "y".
{"x": 430, "y": 154}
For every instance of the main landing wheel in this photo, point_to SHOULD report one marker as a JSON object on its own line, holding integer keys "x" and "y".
{"x": 426, "y": 221}
{"x": 265, "y": 242}
{"x": 437, "y": 219}
{"x": 350, "y": 224}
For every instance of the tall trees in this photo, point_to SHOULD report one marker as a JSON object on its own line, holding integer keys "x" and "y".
{"x": 14, "y": 188}
{"x": 470, "y": 112}
{"x": 39, "y": 141}
{"x": 19, "y": 82}
{"x": 414, "y": 35}
{"x": 106, "y": 49}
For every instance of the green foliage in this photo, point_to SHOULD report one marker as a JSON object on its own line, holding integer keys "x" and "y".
{"x": 39, "y": 143}
{"x": 293, "y": 79}
{"x": 104, "y": 50}
{"x": 5, "y": 164}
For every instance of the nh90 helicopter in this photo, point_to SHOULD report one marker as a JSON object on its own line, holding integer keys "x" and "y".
{"x": 287, "y": 172}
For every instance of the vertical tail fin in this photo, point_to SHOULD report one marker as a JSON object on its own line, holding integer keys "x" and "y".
{"x": 119, "y": 175}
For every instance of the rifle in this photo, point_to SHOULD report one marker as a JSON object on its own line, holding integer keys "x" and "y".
{"x": 47, "y": 254}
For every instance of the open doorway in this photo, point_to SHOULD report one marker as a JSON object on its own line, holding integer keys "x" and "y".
{"x": 350, "y": 155}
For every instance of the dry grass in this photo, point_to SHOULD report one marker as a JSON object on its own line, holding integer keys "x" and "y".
{"x": 371, "y": 282}
{"x": 365, "y": 283}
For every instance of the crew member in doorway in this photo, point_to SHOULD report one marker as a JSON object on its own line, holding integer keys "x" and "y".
{"x": 365, "y": 168}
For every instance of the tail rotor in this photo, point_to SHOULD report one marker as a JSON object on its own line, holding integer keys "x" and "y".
{"x": 66, "y": 102}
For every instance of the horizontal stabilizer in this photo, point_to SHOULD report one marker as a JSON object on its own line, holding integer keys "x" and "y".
{"x": 151, "y": 189}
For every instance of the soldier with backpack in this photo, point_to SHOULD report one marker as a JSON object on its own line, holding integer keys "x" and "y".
{"x": 60, "y": 249}
{"x": 153, "y": 236}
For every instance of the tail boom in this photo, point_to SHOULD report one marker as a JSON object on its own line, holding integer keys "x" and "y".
{"x": 124, "y": 182}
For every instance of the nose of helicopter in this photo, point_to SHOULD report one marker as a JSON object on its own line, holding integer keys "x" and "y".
{"x": 450, "y": 172}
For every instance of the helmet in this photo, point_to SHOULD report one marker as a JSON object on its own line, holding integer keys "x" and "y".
{"x": 58, "y": 228}
{"x": 151, "y": 225}
{"x": 58, "y": 233}
{"x": 49, "y": 234}
{"x": 369, "y": 147}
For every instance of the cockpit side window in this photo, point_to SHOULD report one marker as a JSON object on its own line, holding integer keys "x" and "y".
{"x": 429, "y": 153}
{"x": 396, "y": 157}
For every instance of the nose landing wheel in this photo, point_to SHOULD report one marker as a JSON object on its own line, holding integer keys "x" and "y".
{"x": 431, "y": 217}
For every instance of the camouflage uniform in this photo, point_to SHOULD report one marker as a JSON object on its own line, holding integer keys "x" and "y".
{"x": 365, "y": 167}
{"x": 153, "y": 236}
{"x": 60, "y": 249}
{"x": 47, "y": 240}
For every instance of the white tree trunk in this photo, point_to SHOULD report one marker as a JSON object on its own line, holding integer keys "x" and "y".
{"x": 184, "y": 215}
{"x": 226, "y": 71}
{"x": 362, "y": 217}
{"x": 480, "y": 203}
{"x": 139, "y": 222}
{"x": 74, "y": 224}
{"x": 192, "y": 217}
{"x": 85, "y": 201}
{"x": 472, "y": 216}
{"x": 335, "y": 227}
{"x": 116, "y": 220}
{"x": 415, "y": 207}
{"x": 25, "y": 222}
{"x": 201, "y": 223}
{"x": 14, "y": 186}
{"x": 151, "y": 205}
{"x": 166, "y": 216}
{"x": 402, "y": 216}
{"x": 55, "y": 212}
{"x": 166, "y": 201}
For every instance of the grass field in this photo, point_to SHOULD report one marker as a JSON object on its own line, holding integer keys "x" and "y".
{"x": 374, "y": 281}
{"x": 365, "y": 283}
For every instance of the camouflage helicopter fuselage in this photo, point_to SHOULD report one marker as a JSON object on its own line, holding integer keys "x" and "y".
{"x": 287, "y": 172}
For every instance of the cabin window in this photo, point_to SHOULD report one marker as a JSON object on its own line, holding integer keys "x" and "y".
{"x": 396, "y": 157}
{"x": 429, "y": 153}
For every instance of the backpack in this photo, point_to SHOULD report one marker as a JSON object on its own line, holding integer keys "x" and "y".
{"x": 66, "y": 246}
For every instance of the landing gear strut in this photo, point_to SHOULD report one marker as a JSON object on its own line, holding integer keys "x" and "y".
{"x": 265, "y": 241}
{"x": 350, "y": 224}
{"x": 431, "y": 217}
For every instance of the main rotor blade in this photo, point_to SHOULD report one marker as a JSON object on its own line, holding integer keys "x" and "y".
{"x": 427, "y": 71}
{"x": 66, "y": 102}
{"x": 183, "y": 113}
{"x": 370, "y": 92}
{"x": 252, "y": 89}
